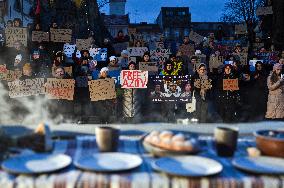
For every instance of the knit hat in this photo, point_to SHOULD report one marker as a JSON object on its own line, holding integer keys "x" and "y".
{"x": 125, "y": 52}
{"x": 277, "y": 66}
{"x": 112, "y": 58}
{"x": 18, "y": 57}
{"x": 104, "y": 69}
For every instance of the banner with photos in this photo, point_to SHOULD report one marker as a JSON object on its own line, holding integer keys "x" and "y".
{"x": 14, "y": 34}
{"x": 27, "y": 87}
{"x": 60, "y": 35}
{"x": 69, "y": 49}
{"x": 133, "y": 79}
{"x": 60, "y": 88}
{"x": 102, "y": 89}
{"x": 98, "y": 54}
{"x": 170, "y": 88}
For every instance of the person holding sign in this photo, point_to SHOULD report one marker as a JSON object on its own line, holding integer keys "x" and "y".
{"x": 275, "y": 103}
{"x": 201, "y": 86}
{"x": 227, "y": 94}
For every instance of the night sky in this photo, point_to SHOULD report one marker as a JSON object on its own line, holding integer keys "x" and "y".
{"x": 148, "y": 10}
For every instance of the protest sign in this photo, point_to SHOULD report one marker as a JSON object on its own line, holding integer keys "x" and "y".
{"x": 215, "y": 61}
{"x": 241, "y": 29}
{"x": 195, "y": 37}
{"x": 83, "y": 44}
{"x": 115, "y": 74}
{"x": 260, "y": 11}
{"x": 98, "y": 54}
{"x": 118, "y": 47}
{"x": 243, "y": 57}
{"x": 102, "y": 89}
{"x": 268, "y": 57}
{"x": 40, "y": 36}
{"x": 69, "y": 49}
{"x": 3, "y": 72}
{"x": 203, "y": 83}
{"x": 187, "y": 50}
{"x": 148, "y": 66}
{"x": 133, "y": 79}
{"x": 60, "y": 35}
{"x": 230, "y": 84}
{"x": 170, "y": 88}
{"x": 14, "y": 34}
{"x": 13, "y": 75}
{"x": 60, "y": 88}
{"x": 27, "y": 87}
{"x": 137, "y": 51}
{"x": 81, "y": 81}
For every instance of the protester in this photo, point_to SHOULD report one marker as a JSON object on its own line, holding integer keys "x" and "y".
{"x": 275, "y": 103}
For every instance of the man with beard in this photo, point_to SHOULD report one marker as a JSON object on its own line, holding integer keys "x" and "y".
{"x": 168, "y": 68}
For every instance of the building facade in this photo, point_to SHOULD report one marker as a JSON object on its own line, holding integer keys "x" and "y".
{"x": 174, "y": 21}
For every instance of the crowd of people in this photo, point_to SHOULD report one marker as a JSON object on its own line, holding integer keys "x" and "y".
{"x": 261, "y": 85}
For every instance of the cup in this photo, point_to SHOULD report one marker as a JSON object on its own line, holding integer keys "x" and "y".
{"x": 226, "y": 139}
{"x": 107, "y": 138}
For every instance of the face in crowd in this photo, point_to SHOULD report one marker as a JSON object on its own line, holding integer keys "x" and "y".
{"x": 227, "y": 70}
{"x": 172, "y": 87}
{"x": 202, "y": 70}
{"x": 186, "y": 40}
{"x": 187, "y": 87}
{"x": 59, "y": 73}
{"x": 193, "y": 61}
{"x": 27, "y": 70}
{"x": 157, "y": 88}
{"x": 131, "y": 66}
{"x": 169, "y": 67}
{"x": 146, "y": 58}
{"x": 104, "y": 74}
{"x": 258, "y": 66}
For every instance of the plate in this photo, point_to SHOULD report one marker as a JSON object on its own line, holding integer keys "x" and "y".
{"x": 108, "y": 162}
{"x": 36, "y": 163}
{"x": 191, "y": 166}
{"x": 260, "y": 165}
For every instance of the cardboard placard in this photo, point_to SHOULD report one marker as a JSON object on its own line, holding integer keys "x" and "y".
{"x": 118, "y": 47}
{"x": 69, "y": 49}
{"x": 241, "y": 29}
{"x": 60, "y": 88}
{"x": 187, "y": 50}
{"x": 195, "y": 37}
{"x": 170, "y": 89}
{"x": 40, "y": 36}
{"x": 83, "y": 44}
{"x": 3, "y": 72}
{"x": 60, "y": 35}
{"x": 148, "y": 66}
{"x": 14, "y": 34}
{"x": 203, "y": 84}
{"x": 230, "y": 84}
{"x": 133, "y": 79}
{"x": 215, "y": 61}
{"x": 68, "y": 70}
{"x": 12, "y": 75}
{"x": 137, "y": 51}
{"x": 102, "y": 89}
{"x": 81, "y": 81}
{"x": 98, "y": 54}
{"x": 264, "y": 11}
{"x": 243, "y": 57}
{"x": 28, "y": 87}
